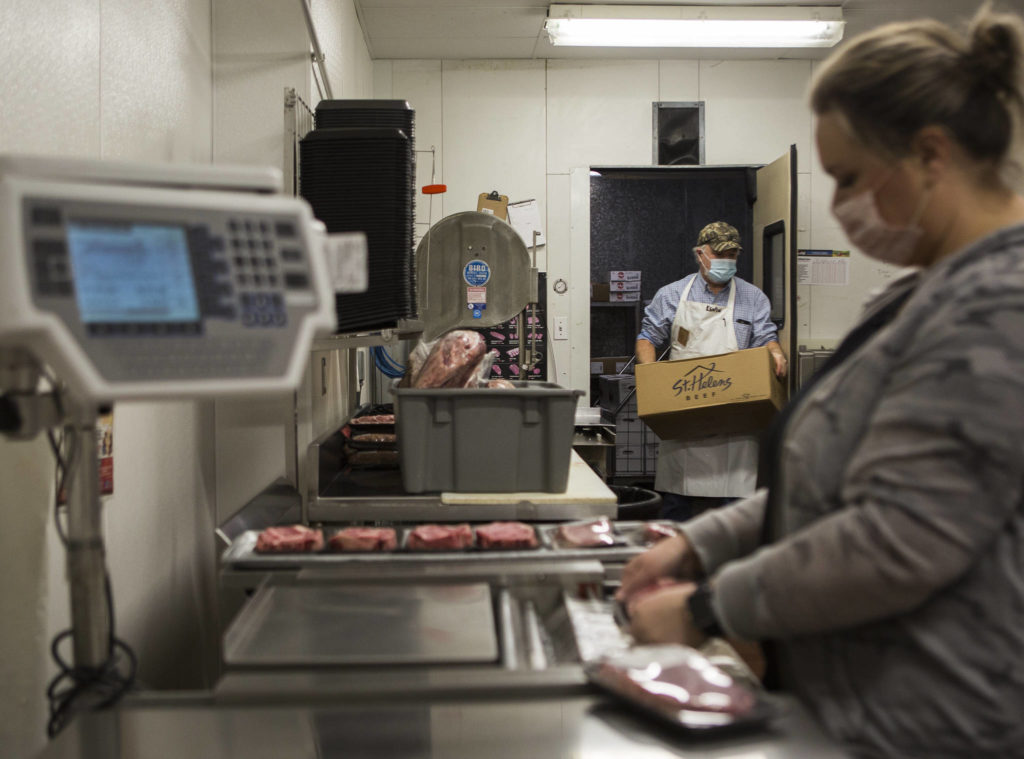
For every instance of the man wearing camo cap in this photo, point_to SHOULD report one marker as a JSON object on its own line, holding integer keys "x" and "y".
{"x": 710, "y": 312}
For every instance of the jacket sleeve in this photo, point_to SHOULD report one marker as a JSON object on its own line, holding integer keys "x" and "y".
{"x": 725, "y": 534}
{"x": 930, "y": 485}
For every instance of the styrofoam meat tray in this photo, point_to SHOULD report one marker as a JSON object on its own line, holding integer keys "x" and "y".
{"x": 629, "y": 543}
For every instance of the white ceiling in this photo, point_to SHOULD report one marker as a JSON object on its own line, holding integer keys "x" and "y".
{"x": 503, "y": 29}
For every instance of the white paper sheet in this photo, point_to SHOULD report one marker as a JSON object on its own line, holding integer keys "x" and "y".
{"x": 524, "y": 216}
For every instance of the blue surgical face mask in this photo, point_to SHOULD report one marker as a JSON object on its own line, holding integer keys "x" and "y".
{"x": 721, "y": 270}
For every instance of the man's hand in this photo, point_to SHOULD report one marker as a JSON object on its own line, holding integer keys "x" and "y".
{"x": 663, "y": 617}
{"x": 672, "y": 557}
{"x": 781, "y": 364}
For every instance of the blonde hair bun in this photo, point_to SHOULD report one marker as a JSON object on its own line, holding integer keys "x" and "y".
{"x": 995, "y": 51}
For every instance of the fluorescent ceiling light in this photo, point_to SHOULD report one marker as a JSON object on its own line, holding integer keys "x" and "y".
{"x": 694, "y": 26}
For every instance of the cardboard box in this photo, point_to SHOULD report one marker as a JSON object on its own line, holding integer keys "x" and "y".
{"x": 622, "y": 286}
{"x": 599, "y": 292}
{"x": 712, "y": 395}
{"x": 627, "y": 276}
{"x": 609, "y": 364}
{"x": 624, "y": 297}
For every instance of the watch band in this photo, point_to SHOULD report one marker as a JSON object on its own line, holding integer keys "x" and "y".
{"x": 702, "y": 612}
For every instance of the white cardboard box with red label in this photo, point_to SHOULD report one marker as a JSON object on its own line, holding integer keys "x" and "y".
{"x": 712, "y": 395}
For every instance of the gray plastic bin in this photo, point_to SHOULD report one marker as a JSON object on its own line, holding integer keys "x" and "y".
{"x": 486, "y": 440}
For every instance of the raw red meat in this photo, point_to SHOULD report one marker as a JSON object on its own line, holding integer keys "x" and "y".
{"x": 374, "y": 420}
{"x": 452, "y": 360}
{"x": 593, "y": 534}
{"x": 375, "y": 437}
{"x": 364, "y": 539}
{"x": 506, "y": 535}
{"x": 654, "y": 533}
{"x": 437, "y": 537}
{"x": 294, "y": 538}
{"x": 671, "y": 678}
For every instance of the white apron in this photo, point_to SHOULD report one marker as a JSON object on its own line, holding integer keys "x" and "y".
{"x": 725, "y": 465}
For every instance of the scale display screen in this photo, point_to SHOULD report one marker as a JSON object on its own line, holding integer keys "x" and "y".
{"x": 132, "y": 273}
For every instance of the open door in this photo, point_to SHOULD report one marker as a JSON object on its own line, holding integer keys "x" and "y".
{"x": 774, "y": 246}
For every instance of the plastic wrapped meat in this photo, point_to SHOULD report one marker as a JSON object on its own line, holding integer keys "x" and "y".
{"x": 437, "y": 537}
{"x": 294, "y": 538}
{"x": 502, "y": 384}
{"x": 452, "y": 360}
{"x": 364, "y": 539}
{"x": 655, "y": 533}
{"x": 641, "y": 593}
{"x": 379, "y": 438}
{"x": 593, "y": 534}
{"x": 372, "y": 420}
{"x": 506, "y": 535}
{"x": 669, "y": 679}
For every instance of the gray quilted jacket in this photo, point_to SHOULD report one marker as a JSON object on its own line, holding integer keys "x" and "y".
{"x": 895, "y": 584}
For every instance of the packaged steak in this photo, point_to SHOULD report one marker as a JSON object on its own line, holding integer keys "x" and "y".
{"x": 440, "y": 537}
{"x": 679, "y": 684}
{"x": 373, "y": 420}
{"x": 655, "y": 533}
{"x": 373, "y": 441}
{"x": 594, "y": 533}
{"x": 501, "y": 384}
{"x": 294, "y": 538}
{"x": 364, "y": 539}
{"x": 506, "y": 535}
{"x": 452, "y": 360}
{"x": 641, "y": 593}
{"x": 373, "y": 459}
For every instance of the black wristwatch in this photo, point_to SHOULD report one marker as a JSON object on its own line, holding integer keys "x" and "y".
{"x": 702, "y": 613}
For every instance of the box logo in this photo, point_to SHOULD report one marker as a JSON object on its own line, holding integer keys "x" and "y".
{"x": 702, "y": 378}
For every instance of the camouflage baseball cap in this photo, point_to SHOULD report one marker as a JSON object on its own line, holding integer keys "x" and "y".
{"x": 720, "y": 236}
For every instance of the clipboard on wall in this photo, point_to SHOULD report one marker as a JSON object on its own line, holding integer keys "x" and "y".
{"x": 493, "y": 203}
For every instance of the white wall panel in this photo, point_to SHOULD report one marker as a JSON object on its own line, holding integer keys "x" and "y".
{"x": 755, "y": 110}
{"x": 255, "y": 56}
{"x": 494, "y": 129}
{"x": 382, "y": 78}
{"x": 419, "y": 82}
{"x": 599, "y": 113}
{"x": 159, "y": 525}
{"x": 50, "y": 69}
{"x": 558, "y": 264}
{"x": 156, "y": 89}
{"x": 678, "y": 80}
{"x": 345, "y": 55}
{"x": 25, "y": 471}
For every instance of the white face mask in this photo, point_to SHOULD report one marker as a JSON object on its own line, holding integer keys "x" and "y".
{"x": 864, "y": 225}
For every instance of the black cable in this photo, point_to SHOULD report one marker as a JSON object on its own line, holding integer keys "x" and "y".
{"x": 75, "y": 689}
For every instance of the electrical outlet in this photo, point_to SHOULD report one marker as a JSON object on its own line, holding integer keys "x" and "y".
{"x": 561, "y": 328}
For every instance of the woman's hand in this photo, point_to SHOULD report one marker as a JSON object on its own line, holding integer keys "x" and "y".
{"x": 662, "y": 616}
{"x": 672, "y": 557}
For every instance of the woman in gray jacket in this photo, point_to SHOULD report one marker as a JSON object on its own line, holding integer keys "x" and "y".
{"x": 885, "y": 558}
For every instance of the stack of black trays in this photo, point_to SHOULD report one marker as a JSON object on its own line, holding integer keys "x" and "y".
{"x": 358, "y": 174}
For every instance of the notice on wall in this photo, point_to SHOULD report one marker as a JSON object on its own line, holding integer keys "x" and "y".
{"x": 823, "y": 267}
{"x": 105, "y": 451}
{"x": 524, "y": 216}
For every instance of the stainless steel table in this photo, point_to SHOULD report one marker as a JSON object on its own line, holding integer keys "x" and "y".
{"x": 583, "y": 727}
